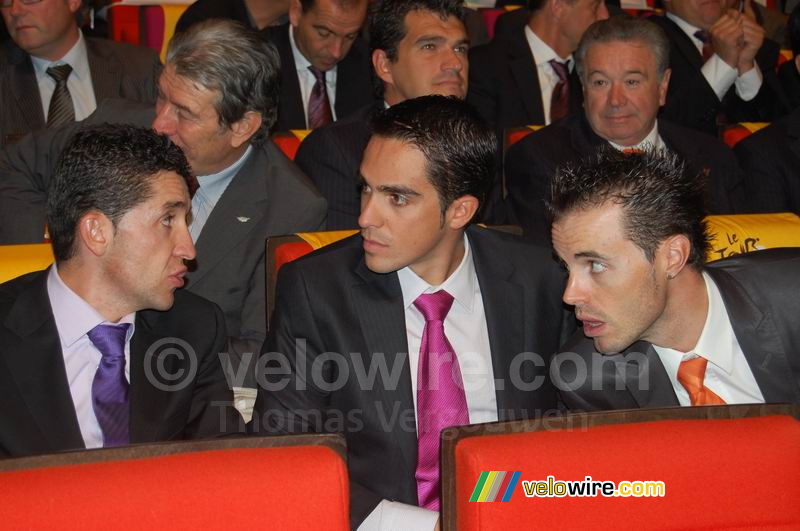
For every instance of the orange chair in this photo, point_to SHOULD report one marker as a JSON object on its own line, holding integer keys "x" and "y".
{"x": 286, "y": 482}
{"x": 289, "y": 141}
{"x": 16, "y": 260}
{"x": 720, "y": 467}
{"x": 512, "y": 135}
{"x": 734, "y": 133}
{"x": 743, "y": 233}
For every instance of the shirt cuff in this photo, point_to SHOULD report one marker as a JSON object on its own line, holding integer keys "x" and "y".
{"x": 749, "y": 83}
{"x": 396, "y": 516}
{"x": 719, "y": 74}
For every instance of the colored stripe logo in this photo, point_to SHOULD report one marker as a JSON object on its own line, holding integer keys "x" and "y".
{"x": 495, "y": 485}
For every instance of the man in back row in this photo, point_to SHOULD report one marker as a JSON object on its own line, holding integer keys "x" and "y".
{"x": 419, "y": 47}
{"x": 88, "y": 347}
{"x": 218, "y": 97}
{"x": 669, "y": 330}
{"x": 426, "y": 295}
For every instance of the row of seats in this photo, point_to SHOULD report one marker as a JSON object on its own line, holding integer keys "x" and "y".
{"x": 719, "y": 467}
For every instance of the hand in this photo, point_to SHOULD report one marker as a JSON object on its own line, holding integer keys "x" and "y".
{"x": 751, "y": 43}
{"x": 726, "y": 36}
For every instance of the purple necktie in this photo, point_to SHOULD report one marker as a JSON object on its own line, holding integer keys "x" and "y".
{"x": 441, "y": 401}
{"x": 559, "y": 101}
{"x": 319, "y": 109}
{"x": 110, "y": 388}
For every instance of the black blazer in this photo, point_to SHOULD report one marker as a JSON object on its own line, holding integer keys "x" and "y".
{"x": 760, "y": 294}
{"x": 206, "y": 9}
{"x": 691, "y": 101}
{"x": 770, "y": 159}
{"x": 335, "y": 303}
{"x": 331, "y": 157}
{"x": 353, "y": 81}
{"x": 504, "y": 84}
{"x": 531, "y": 163}
{"x": 38, "y": 412}
{"x": 118, "y": 71}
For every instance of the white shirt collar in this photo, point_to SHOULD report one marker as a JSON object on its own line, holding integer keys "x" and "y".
{"x": 651, "y": 141}
{"x": 300, "y": 61}
{"x": 74, "y": 316}
{"x": 687, "y": 28}
{"x": 76, "y": 57}
{"x": 542, "y": 52}
{"x": 460, "y": 284}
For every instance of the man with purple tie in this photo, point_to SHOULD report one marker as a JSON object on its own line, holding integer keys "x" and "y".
{"x": 100, "y": 349}
{"x": 422, "y": 321}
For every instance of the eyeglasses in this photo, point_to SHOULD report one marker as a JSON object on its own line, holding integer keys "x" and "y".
{"x": 7, "y": 3}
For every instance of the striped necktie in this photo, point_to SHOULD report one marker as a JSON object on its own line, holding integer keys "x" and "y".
{"x": 61, "y": 110}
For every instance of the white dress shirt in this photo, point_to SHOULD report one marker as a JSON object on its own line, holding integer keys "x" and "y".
{"x": 728, "y": 374}
{"x": 548, "y": 79}
{"x": 719, "y": 74}
{"x": 652, "y": 141}
{"x": 79, "y": 81}
{"x": 465, "y": 328}
{"x": 307, "y": 79}
{"x": 74, "y": 319}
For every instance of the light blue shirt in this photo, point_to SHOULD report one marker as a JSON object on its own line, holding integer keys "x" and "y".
{"x": 79, "y": 81}
{"x": 208, "y": 194}
{"x": 74, "y": 318}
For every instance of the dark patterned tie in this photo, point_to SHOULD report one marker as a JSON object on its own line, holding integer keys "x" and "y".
{"x": 319, "y": 108}
{"x": 708, "y": 47}
{"x": 110, "y": 388}
{"x": 61, "y": 110}
{"x": 559, "y": 101}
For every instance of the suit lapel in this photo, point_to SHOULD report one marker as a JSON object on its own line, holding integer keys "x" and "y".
{"x": 584, "y": 140}
{"x": 504, "y": 308}
{"x": 523, "y": 69}
{"x": 25, "y": 90}
{"x": 378, "y": 302}
{"x": 759, "y": 340}
{"x": 36, "y": 363}
{"x": 238, "y": 212}
{"x": 106, "y": 74}
{"x": 645, "y": 377}
{"x": 683, "y": 43}
{"x": 291, "y": 104}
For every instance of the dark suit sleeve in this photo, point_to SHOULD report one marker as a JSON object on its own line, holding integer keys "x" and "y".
{"x": 482, "y": 85}
{"x": 764, "y": 162}
{"x": 528, "y": 177}
{"x": 789, "y": 79}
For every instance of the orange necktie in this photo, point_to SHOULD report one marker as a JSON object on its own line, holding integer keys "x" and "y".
{"x": 691, "y": 374}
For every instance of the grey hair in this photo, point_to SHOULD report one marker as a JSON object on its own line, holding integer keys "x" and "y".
{"x": 625, "y": 29}
{"x": 227, "y": 57}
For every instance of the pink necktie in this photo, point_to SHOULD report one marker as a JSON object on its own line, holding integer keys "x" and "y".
{"x": 319, "y": 108}
{"x": 441, "y": 401}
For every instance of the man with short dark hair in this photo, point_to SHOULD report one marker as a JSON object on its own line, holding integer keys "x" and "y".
{"x": 419, "y": 47}
{"x": 669, "y": 330}
{"x": 529, "y": 78}
{"x": 325, "y": 72}
{"x": 218, "y": 97}
{"x": 88, "y": 347}
{"x": 623, "y": 63}
{"x": 422, "y": 296}
{"x": 50, "y": 73}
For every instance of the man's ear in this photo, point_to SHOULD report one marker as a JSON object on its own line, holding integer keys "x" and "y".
{"x": 74, "y": 5}
{"x": 95, "y": 232}
{"x": 245, "y": 128}
{"x": 295, "y": 12}
{"x": 381, "y": 65}
{"x": 461, "y": 211}
{"x": 676, "y": 251}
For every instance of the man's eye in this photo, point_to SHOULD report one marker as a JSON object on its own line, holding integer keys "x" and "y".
{"x": 428, "y": 46}
{"x": 323, "y": 33}
{"x": 167, "y": 220}
{"x": 461, "y": 49}
{"x": 364, "y": 189}
{"x": 398, "y": 199}
{"x": 597, "y": 267}
{"x": 598, "y": 82}
{"x": 633, "y": 82}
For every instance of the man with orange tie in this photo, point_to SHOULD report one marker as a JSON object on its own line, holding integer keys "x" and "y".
{"x": 422, "y": 321}
{"x": 661, "y": 327}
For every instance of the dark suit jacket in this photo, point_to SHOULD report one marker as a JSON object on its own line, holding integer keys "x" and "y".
{"x": 770, "y": 159}
{"x": 331, "y": 157}
{"x": 691, "y": 101}
{"x": 789, "y": 78}
{"x": 760, "y": 294}
{"x": 206, "y": 9}
{"x": 38, "y": 412}
{"x": 118, "y": 71}
{"x": 353, "y": 81}
{"x": 335, "y": 303}
{"x": 504, "y": 84}
{"x": 532, "y": 162}
{"x": 269, "y": 196}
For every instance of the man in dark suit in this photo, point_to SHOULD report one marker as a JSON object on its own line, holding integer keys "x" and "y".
{"x": 362, "y": 302}
{"x": 529, "y": 77}
{"x": 44, "y": 35}
{"x": 622, "y": 62}
{"x": 723, "y": 69}
{"x": 770, "y": 159}
{"x": 660, "y": 328}
{"x": 219, "y": 94}
{"x": 87, "y": 347}
{"x": 256, "y": 14}
{"x": 331, "y": 155}
{"x": 321, "y": 51}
